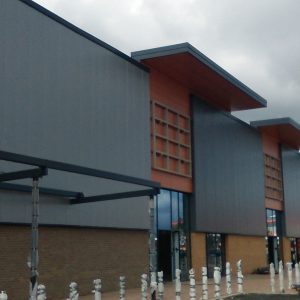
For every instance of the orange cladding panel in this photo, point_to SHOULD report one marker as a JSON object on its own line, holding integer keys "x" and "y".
{"x": 271, "y": 145}
{"x": 175, "y": 96}
{"x": 169, "y": 92}
{"x": 172, "y": 181}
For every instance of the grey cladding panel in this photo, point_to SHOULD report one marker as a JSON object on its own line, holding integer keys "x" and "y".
{"x": 291, "y": 180}
{"x": 65, "y": 98}
{"x": 228, "y": 174}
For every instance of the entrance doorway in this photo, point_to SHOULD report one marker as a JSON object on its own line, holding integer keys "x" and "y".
{"x": 172, "y": 233}
{"x": 164, "y": 257}
{"x": 295, "y": 250}
{"x": 274, "y": 251}
{"x": 215, "y": 249}
{"x": 274, "y": 238}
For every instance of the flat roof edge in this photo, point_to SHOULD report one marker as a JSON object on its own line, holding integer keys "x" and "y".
{"x": 83, "y": 33}
{"x": 276, "y": 121}
{"x": 187, "y": 47}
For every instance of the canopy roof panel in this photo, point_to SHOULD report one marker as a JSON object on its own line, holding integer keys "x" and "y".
{"x": 202, "y": 76}
{"x": 286, "y": 130}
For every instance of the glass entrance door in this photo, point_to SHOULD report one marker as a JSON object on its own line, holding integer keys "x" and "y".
{"x": 172, "y": 233}
{"x": 215, "y": 249}
{"x": 274, "y": 247}
{"x": 175, "y": 251}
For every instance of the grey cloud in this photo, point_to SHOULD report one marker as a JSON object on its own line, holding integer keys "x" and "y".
{"x": 258, "y": 41}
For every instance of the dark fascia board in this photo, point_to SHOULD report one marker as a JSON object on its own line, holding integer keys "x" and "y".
{"x": 277, "y": 121}
{"x": 188, "y": 48}
{"x": 83, "y": 33}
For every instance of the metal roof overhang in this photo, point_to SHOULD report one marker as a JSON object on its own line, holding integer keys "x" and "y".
{"x": 286, "y": 130}
{"x": 201, "y": 76}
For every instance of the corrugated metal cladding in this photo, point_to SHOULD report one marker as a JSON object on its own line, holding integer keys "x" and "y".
{"x": 65, "y": 98}
{"x": 291, "y": 180}
{"x": 228, "y": 174}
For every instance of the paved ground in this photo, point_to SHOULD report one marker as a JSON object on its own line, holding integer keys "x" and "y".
{"x": 253, "y": 284}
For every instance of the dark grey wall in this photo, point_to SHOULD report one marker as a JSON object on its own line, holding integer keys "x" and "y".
{"x": 228, "y": 174}
{"x": 291, "y": 180}
{"x": 65, "y": 98}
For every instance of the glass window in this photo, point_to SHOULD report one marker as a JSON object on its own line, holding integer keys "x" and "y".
{"x": 175, "y": 210}
{"x": 164, "y": 210}
{"x": 271, "y": 222}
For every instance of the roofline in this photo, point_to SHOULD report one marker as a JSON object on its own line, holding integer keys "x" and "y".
{"x": 83, "y": 33}
{"x": 276, "y": 121}
{"x": 187, "y": 47}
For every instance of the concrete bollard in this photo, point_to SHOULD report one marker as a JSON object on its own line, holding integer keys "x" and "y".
{"x": 240, "y": 277}
{"x": 41, "y": 292}
{"x": 153, "y": 285}
{"x": 281, "y": 277}
{"x": 177, "y": 284}
{"x": 97, "y": 289}
{"x": 217, "y": 282}
{"x": 144, "y": 287}
{"x": 272, "y": 277}
{"x": 3, "y": 296}
{"x": 297, "y": 273}
{"x": 228, "y": 279}
{"x": 73, "y": 295}
{"x": 160, "y": 285}
{"x": 122, "y": 287}
{"x": 204, "y": 284}
{"x": 192, "y": 284}
{"x": 290, "y": 274}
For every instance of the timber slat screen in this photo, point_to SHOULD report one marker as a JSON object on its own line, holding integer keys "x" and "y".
{"x": 171, "y": 140}
{"x": 273, "y": 178}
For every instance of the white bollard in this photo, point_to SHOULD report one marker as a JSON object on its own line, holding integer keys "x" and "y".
{"x": 240, "y": 277}
{"x": 97, "y": 288}
{"x": 3, "y": 296}
{"x": 192, "y": 284}
{"x": 204, "y": 284}
{"x": 297, "y": 273}
{"x": 73, "y": 295}
{"x": 122, "y": 287}
{"x": 272, "y": 277}
{"x": 144, "y": 287}
{"x": 41, "y": 292}
{"x": 281, "y": 277}
{"x": 217, "y": 281}
{"x": 160, "y": 285}
{"x": 290, "y": 274}
{"x": 153, "y": 285}
{"x": 177, "y": 284}
{"x": 228, "y": 279}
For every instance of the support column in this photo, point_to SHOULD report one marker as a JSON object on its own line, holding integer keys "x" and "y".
{"x": 152, "y": 249}
{"x": 34, "y": 257}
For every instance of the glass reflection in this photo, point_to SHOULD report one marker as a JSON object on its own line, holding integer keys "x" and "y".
{"x": 164, "y": 210}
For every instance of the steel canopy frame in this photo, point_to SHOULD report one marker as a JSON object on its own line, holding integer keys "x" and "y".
{"x": 76, "y": 197}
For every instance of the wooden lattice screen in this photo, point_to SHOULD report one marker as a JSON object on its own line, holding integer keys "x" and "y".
{"x": 273, "y": 178}
{"x": 171, "y": 140}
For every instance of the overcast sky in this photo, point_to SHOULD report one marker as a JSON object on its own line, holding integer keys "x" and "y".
{"x": 257, "y": 41}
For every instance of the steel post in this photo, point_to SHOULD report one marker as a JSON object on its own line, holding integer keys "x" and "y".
{"x": 152, "y": 249}
{"x": 34, "y": 240}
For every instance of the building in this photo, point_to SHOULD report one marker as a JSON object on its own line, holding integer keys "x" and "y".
{"x": 281, "y": 143}
{"x": 163, "y": 114}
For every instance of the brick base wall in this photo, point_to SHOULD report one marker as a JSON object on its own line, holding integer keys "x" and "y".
{"x": 286, "y": 248}
{"x": 198, "y": 247}
{"x": 72, "y": 254}
{"x": 250, "y": 249}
